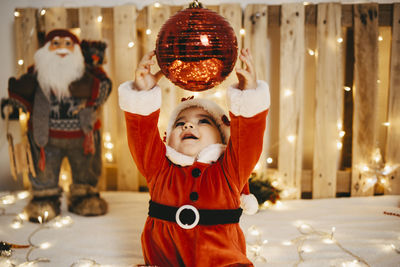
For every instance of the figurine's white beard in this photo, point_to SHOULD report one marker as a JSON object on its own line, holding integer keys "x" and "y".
{"x": 55, "y": 73}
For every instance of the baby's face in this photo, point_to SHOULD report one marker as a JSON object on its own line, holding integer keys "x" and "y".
{"x": 193, "y": 130}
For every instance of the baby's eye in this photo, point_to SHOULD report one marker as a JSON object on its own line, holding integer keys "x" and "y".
{"x": 205, "y": 121}
{"x": 179, "y": 123}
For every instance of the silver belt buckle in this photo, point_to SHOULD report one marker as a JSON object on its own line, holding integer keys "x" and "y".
{"x": 187, "y": 226}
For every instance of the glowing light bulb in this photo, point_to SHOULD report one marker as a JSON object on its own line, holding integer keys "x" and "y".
{"x": 16, "y": 224}
{"x": 64, "y": 177}
{"x": 347, "y": 88}
{"x": 21, "y": 62}
{"x": 99, "y": 18}
{"x": 339, "y": 125}
{"x": 342, "y": 133}
{"x": 23, "y": 216}
{"x": 328, "y": 241}
{"x": 307, "y": 249}
{"x": 22, "y": 117}
{"x": 306, "y": 3}
{"x": 364, "y": 168}
{"x": 269, "y": 160}
{"x": 311, "y": 52}
{"x": 275, "y": 183}
{"x": 23, "y": 195}
{"x": 66, "y": 220}
{"x": 340, "y": 40}
{"x": 242, "y": 32}
{"x": 288, "y": 92}
{"x": 386, "y": 123}
{"x": 17, "y": 14}
{"x": 8, "y": 199}
{"x": 291, "y": 138}
{"x": 45, "y": 245}
{"x": 148, "y": 31}
{"x": 380, "y": 38}
{"x": 131, "y": 44}
{"x": 157, "y": 5}
{"x": 109, "y": 156}
{"x": 339, "y": 145}
{"x": 109, "y": 145}
{"x": 266, "y": 204}
{"x": 107, "y": 136}
{"x": 287, "y": 243}
{"x": 42, "y": 12}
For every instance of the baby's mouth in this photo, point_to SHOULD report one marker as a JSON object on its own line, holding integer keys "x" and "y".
{"x": 189, "y": 136}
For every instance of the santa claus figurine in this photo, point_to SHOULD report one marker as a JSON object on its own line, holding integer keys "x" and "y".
{"x": 63, "y": 94}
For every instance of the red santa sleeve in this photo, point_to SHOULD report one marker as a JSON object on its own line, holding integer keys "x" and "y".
{"x": 248, "y": 112}
{"x": 142, "y": 109}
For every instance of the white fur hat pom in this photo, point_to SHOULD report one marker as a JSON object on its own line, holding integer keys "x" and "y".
{"x": 249, "y": 204}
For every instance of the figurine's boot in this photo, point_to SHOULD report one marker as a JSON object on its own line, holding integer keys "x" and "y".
{"x": 85, "y": 200}
{"x": 44, "y": 205}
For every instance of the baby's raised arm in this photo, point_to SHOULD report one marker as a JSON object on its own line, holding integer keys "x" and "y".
{"x": 144, "y": 79}
{"x": 247, "y": 76}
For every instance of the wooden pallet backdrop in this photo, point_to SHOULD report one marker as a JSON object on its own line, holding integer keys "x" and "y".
{"x": 308, "y": 54}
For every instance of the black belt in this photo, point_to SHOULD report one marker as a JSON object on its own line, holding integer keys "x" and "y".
{"x": 187, "y": 216}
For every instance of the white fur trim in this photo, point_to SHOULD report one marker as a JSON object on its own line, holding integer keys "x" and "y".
{"x": 250, "y": 102}
{"x": 211, "y": 153}
{"x": 208, "y": 155}
{"x": 139, "y": 102}
{"x": 179, "y": 158}
{"x": 249, "y": 204}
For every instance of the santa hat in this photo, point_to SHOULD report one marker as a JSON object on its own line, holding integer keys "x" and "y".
{"x": 61, "y": 33}
{"x": 216, "y": 112}
{"x": 249, "y": 203}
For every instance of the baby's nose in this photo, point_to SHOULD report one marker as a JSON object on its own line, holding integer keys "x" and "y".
{"x": 188, "y": 125}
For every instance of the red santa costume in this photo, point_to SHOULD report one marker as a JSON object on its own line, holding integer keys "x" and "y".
{"x": 195, "y": 202}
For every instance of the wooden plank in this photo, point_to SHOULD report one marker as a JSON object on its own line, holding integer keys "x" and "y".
{"x": 156, "y": 17}
{"x": 365, "y": 94}
{"x": 328, "y": 100}
{"x": 111, "y": 107}
{"x": 393, "y": 135}
{"x": 310, "y": 77}
{"x": 90, "y": 21}
{"x": 126, "y": 60}
{"x": 256, "y": 27}
{"x": 233, "y": 14}
{"x": 55, "y": 18}
{"x": 90, "y": 29}
{"x": 25, "y": 38}
{"x": 291, "y": 96}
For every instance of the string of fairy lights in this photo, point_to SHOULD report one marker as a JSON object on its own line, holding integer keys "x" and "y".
{"x": 256, "y": 244}
{"x": 18, "y": 222}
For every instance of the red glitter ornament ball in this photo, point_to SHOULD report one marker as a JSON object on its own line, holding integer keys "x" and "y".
{"x": 196, "y": 49}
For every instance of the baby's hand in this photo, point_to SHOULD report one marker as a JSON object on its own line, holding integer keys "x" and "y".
{"x": 144, "y": 80}
{"x": 246, "y": 76}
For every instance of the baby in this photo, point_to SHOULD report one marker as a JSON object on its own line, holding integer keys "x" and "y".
{"x": 195, "y": 180}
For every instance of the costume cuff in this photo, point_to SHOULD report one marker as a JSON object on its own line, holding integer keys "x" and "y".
{"x": 139, "y": 102}
{"x": 250, "y": 102}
